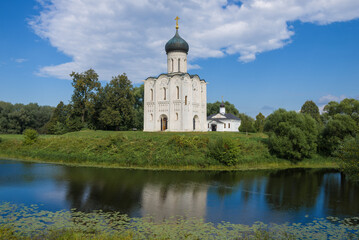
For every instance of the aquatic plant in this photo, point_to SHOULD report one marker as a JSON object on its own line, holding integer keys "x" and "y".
{"x": 29, "y": 222}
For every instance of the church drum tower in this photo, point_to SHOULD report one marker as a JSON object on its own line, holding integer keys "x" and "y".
{"x": 176, "y": 101}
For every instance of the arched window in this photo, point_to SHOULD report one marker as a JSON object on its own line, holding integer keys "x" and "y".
{"x": 176, "y": 116}
{"x": 151, "y": 117}
{"x": 172, "y": 70}
{"x": 179, "y": 63}
{"x": 185, "y": 100}
{"x": 229, "y": 125}
{"x": 177, "y": 88}
{"x": 164, "y": 93}
{"x": 151, "y": 94}
{"x": 224, "y": 125}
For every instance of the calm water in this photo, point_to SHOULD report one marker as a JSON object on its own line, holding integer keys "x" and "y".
{"x": 295, "y": 195}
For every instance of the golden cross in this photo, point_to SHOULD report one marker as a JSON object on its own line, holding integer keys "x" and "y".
{"x": 222, "y": 98}
{"x": 177, "y": 18}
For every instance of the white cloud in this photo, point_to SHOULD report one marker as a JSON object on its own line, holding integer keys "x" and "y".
{"x": 20, "y": 60}
{"x": 324, "y": 100}
{"x": 327, "y": 98}
{"x": 114, "y": 36}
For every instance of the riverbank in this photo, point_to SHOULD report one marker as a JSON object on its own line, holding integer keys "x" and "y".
{"x": 143, "y": 150}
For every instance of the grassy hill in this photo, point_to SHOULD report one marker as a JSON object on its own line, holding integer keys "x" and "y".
{"x": 158, "y": 150}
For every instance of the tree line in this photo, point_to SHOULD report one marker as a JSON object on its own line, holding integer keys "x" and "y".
{"x": 116, "y": 106}
{"x": 15, "y": 118}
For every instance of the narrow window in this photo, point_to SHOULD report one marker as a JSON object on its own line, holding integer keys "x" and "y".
{"x": 151, "y": 94}
{"x": 208, "y": 125}
{"x": 229, "y": 125}
{"x": 172, "y": 70}
{"x": 176, "y": 116}
{"x": 177, "y": 92}
{"x": 185, "y": 100}
{"x": 179, "y": 63}
{"x": 151, "y": 117}
{"x": 164, "y": 93}
{"x": 224, "y": 125}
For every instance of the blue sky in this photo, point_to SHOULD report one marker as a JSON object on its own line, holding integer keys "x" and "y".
{"x": 259, "y": 55}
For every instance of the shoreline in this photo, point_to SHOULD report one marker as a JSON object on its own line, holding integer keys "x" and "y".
{"x": 273, "y": 166}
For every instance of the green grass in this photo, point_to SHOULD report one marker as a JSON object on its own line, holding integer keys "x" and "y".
{"x": 155, "y": 150}
{"x": 28, "y": 222}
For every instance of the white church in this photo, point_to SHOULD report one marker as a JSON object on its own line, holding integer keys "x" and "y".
{"x": 175, "y": 101}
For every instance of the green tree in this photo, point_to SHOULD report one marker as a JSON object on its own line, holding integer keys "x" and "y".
{"x": 247, "y": 123}
{"x": 338, "y": 127}
{"x": 309, "y": 107}
{"x": 86, "y": 86}
{"x": 259, "y": 122}
{"x": 57, "y": 123}
{"x": 349, "y": 155}
{"x": 292, "y": 136}
{"x": 348, "y": 106}
{"x": 118, "y": 104}
{"x": 139, "y": 95}
{"x": 213, "y": 108}
{"x": 30, "y": 136}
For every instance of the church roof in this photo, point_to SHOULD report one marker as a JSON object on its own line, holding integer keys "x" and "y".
{"x": 177, "y": 73}
{"x": 220, "y": 116}
{"x": 177, "y": 44}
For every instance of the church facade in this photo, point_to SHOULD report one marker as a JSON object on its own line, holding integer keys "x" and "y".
{"x": 175, "y": 101}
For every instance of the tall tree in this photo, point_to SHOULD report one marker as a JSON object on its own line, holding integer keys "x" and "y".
{"x": 86, "y": 86}
{"x": 118, "y": 104}
{"x": 259, "y": 122}
{"x": 247, "y": 123}
{"x": 139, "y": 95}
{"x": 309, "y": 107}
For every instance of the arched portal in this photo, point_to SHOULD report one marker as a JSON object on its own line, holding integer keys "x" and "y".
{"x": 214, "y": 127}
{"x": 195, "y": 123}
{"x": 164, "y": 122}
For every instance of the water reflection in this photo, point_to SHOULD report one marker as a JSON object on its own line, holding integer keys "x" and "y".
{"x": 239, "y": 197}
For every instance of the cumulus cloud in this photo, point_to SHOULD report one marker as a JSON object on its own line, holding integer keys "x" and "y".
{"x": 114, "y": 36}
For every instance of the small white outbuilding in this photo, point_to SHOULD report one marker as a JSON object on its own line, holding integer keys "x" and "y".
{"x": 223, "y": 122}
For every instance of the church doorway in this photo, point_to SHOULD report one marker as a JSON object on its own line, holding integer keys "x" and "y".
{"x": 164, "y": 122}
{"x": 214, "y": 127}
{"x": 195, "y": 123}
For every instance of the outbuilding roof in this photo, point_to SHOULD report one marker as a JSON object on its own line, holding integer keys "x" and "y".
{"x": 220, "y": 116}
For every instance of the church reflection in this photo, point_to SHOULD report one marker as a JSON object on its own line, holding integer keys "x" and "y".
{"x": 281, "y": 195}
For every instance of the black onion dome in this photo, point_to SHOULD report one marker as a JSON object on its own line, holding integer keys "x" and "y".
{"x": 222, "y": 105}
{"x": 177, "y": 44}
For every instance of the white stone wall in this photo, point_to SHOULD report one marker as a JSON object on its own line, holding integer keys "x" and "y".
{"x": 233, "y": 127}
{"x": 176, "y": 62}
{"x": 161, "y": 99}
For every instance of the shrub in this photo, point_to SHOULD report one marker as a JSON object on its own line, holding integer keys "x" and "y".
{"x": 336, "y": 130}
{"x": 292, "y": 136}
{"x": 31, "y": 136}
{"x": 348, "y": 153}
{"x": 184, "y": 142}
{"x": 225, "y": 151}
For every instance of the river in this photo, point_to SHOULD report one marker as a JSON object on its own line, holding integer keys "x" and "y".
{"x": 292, "y": 195}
